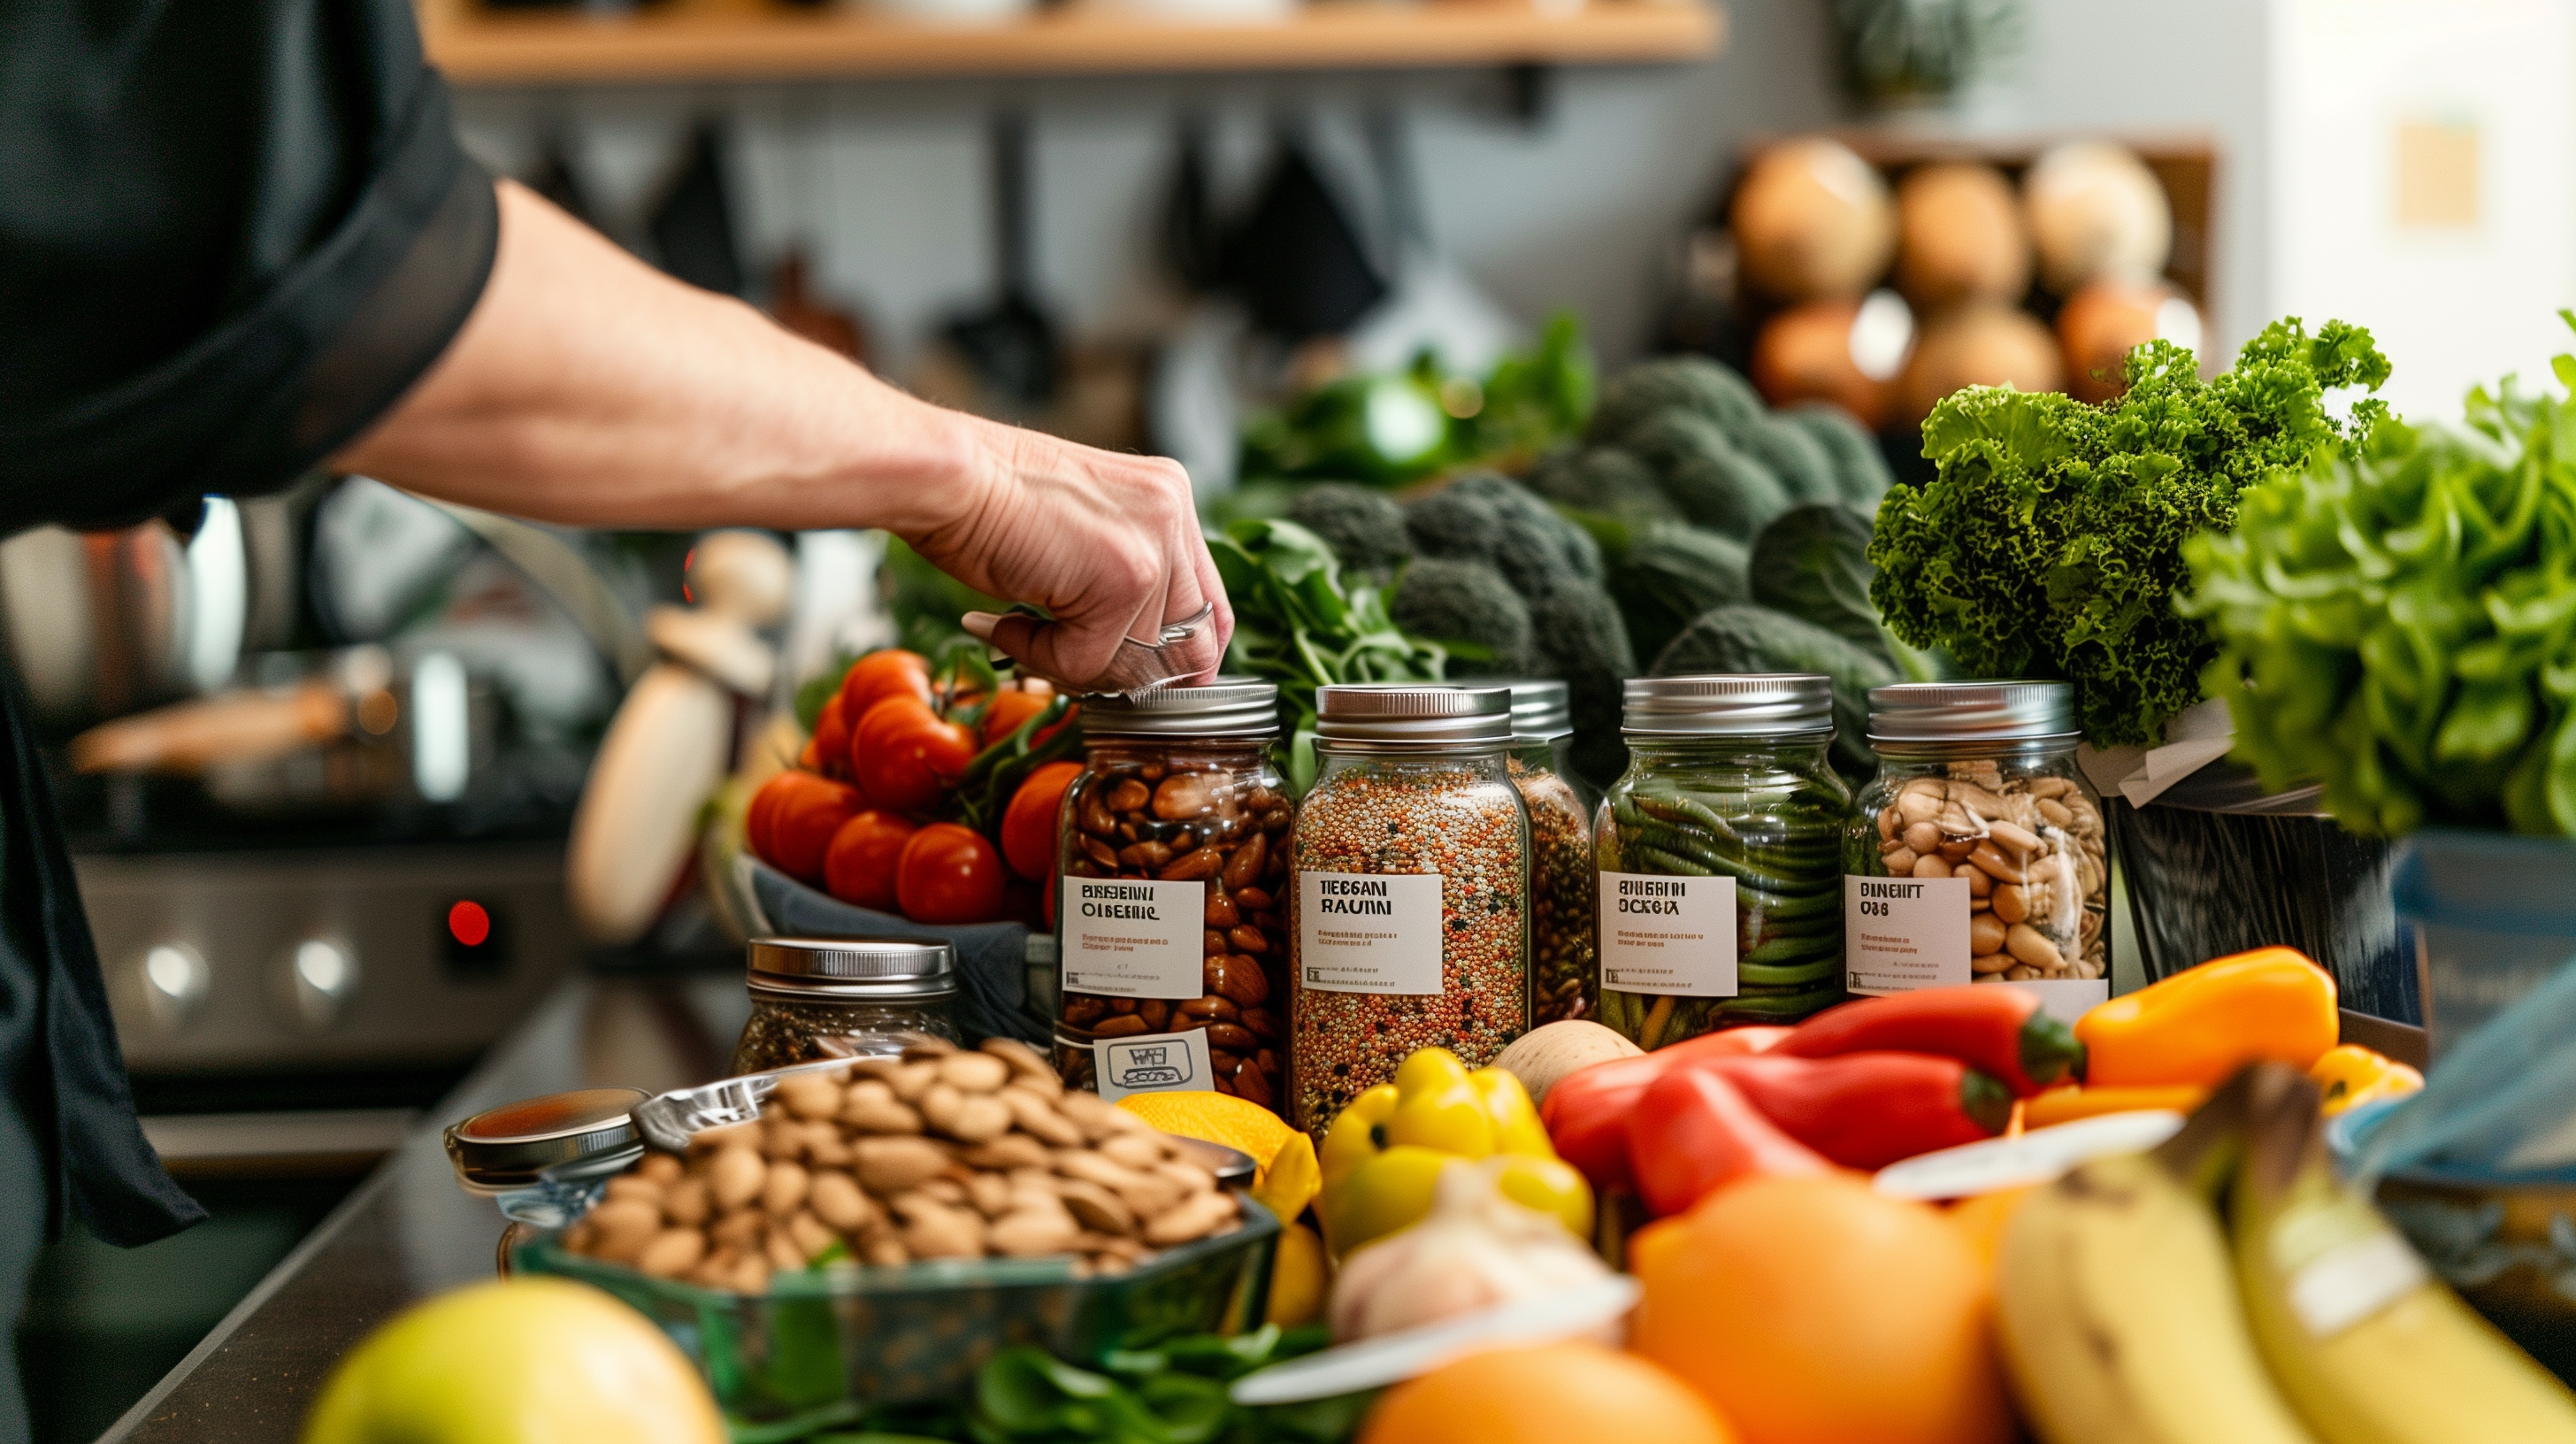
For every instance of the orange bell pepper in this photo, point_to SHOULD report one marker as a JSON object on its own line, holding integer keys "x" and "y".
{"x": 2065, "y": 1105}
{"x": 2353, "y": 1075}
{"x": 2202, "y": 1024}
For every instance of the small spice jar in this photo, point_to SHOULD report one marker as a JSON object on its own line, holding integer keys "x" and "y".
{"x": 1719, "y": 856}
{"x": 844, "y": 998}
{"x": 1977, "y": 853}
{"x": 1172, "y": 927}
{"x": 1563, "y": 959}
{"x": 1411, "y": 890}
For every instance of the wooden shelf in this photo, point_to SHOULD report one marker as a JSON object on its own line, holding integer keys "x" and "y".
{"x": 702, "y": 40}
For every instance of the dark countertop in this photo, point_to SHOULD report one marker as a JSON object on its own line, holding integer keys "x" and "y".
{"x": 409, "y": 1231}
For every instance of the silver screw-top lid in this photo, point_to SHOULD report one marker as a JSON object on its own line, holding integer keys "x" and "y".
{"x": 877, "y": 969}
{"x": 509, "y": 1146}
{"x": 1408, "y": 713}
{"x": 1539, "y": 708}
{"x": 1970, "y": 711}
{"x": 1226, "y": 707}
{"x": 1746, "y": 704}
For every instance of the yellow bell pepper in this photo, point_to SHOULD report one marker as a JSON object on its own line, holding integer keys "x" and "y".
{"x": 2353, "y": 1075}
{"x": 1382, "y": 1157}
{"x": 2202, "y": 1024}
{"x": 2065, "y": 1105}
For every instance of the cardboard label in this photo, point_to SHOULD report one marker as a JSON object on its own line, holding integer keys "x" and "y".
{"x": 1153, "y": 1063}
{"x": 1902, "y": 933}
{"x": 1668, "y": 935}
{"x": 1361, "y": 932}
{"x": 1131, "y": 938}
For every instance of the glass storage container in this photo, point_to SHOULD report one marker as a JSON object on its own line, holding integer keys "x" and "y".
{"x": 1977, "y": 853}
{"x": 1563, "y": 958}
{"x": 1171, "y": 931}
{"x": 1411, "y": 890}
{"x": 844, "y": 998}
{"x": 1718, "y": 853}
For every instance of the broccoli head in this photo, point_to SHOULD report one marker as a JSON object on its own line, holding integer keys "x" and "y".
{"x": 1687, "y": 385}
{"x": 1710, "y": 481}
{"x": 1582, "y": 641}
{"x": 1499, "y": 522}
{"x": 1363, "y": 526}
{"x": 1601, "y": 479}
{"x": 1467, "y": 607}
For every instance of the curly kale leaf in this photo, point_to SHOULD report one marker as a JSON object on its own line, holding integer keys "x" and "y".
{"x": 2049, "y": 543}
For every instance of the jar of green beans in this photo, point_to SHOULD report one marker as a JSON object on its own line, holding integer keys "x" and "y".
{"x": 1720, "y": 879}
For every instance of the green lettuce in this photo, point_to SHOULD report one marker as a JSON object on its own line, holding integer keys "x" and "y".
{"x": 2050, "y": 542}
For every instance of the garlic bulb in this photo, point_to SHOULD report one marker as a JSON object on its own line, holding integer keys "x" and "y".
{"x": 1476, "y": 1249}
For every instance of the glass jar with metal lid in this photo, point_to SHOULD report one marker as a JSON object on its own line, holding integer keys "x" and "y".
{"x": 1563, "y": 959}
{"x": 1171, "y": 919}
{"x": 1411, "y": 897}
{"x": 1978, "y": 851}
{"x": 1719, "y": 857}
{"x": 844, "y": 998}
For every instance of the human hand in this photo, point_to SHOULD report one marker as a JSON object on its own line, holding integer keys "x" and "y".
{"x": 1108, "y": 543}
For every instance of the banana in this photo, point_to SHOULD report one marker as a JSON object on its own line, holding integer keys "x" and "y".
{"x": 2118, "y": 1310}
{"x": 2370, "y": 1347}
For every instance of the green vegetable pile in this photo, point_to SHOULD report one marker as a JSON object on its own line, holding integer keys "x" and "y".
{"x": 2399, "y": 622}
{"x": 1298, "y": 623}
{"x": 2050, "y": 544}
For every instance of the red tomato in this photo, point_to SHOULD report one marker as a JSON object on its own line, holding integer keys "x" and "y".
{"x": 949, "y": 874}
{"x": 1008, "y": 711}
{"x": 801, "y": 822}
{"x": 859, "y": 866}
{"x": 755, "y": 818}
{"x": 904, "y": 755}
{"x": 892, "y": 672}
{"x": 828, "y": 751}
{"x": 1028, "y": 824}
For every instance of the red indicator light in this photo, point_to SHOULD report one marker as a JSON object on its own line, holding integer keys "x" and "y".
{"x": 469, "y": 924}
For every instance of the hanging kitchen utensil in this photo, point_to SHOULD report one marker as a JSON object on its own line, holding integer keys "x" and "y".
{"x": 692, "y": 224}
{"x": 1294, "y": 258}
{"x": 1011, "y": 345}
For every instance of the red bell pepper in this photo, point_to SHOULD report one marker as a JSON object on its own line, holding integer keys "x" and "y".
{"x": 1998, "y": 1031}
{"x": 1726, "y": 1042}
{"x": 1867, "y": 1110}
{"x": 1586, "y": 1113}
{"x": 1693, "y": 1134}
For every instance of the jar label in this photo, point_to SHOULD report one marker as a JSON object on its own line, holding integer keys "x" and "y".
{"x": 1366, "y": 932}
{"x": 1153, "y": 1063}
{"x": 1671, "y": 936}
{"x": 1131, "y": 938}
{"x": 1903, "y": 933}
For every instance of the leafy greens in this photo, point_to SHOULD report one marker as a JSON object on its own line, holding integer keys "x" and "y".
{"x": 2050, "y": 542}
{"x": 2400, "y": 623}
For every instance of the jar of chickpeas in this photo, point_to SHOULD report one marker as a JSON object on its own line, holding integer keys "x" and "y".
{"x": 1978, "y": 852}
{"x": 1172, "y": 933}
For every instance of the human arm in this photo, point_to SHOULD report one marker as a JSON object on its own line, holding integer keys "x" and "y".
{"x": 587, "y": 388}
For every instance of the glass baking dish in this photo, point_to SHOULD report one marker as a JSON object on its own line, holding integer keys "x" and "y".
{"x": 822, "y": 1343}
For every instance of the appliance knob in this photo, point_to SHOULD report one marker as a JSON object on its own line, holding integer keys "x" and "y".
{"x": 322, "y": 976}
{"x": 175, "y": 981}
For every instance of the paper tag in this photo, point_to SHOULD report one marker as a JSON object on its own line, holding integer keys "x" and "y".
{"x": 1129, "y": 938}
{"x": 2354, "y": 1281}
{"x": 1153, "y": 1063}
{"x": 1902, "y": 933}
{"x": 1363, "y": 932}
{"x": 1668, "y": 935}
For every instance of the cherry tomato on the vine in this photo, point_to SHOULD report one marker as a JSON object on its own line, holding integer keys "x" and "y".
{"x": 949, "y": 874}
{"x": 1028, "y": 824}
{"x": 828, "y": 750}
{"x": 859, "y": 866}
{"x": 904, "y": 755}
{"x": 796, "y": 827}
{"x": 892, "y": 672}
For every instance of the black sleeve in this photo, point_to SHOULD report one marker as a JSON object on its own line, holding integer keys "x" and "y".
{"x": 231, "y": 235}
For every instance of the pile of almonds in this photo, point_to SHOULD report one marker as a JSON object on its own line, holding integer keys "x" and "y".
{"x": 939, "y": 1153}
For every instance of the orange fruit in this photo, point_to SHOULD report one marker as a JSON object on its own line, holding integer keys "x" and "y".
{"x": 1216, "y": 1117}
{"x": 1815, "y": 1311}
{"x": 1545, "y": 1394}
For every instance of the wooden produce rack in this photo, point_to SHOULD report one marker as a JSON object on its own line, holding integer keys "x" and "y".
{"x": 741, "y": 40}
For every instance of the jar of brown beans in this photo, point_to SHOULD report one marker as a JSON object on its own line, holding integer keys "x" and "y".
{"x": 1172, "y": 927}
{"x": 1563, "y": 950}
{"x": 1411, "y": 900}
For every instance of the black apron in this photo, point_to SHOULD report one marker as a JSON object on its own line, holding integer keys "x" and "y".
{"x": 231, "y": 236}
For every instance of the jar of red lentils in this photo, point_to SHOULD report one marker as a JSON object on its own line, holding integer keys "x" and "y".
{"x": 1563, "y": 957}
{"x": 1410, "y": 904}
{"x": 1171, "y": 929}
